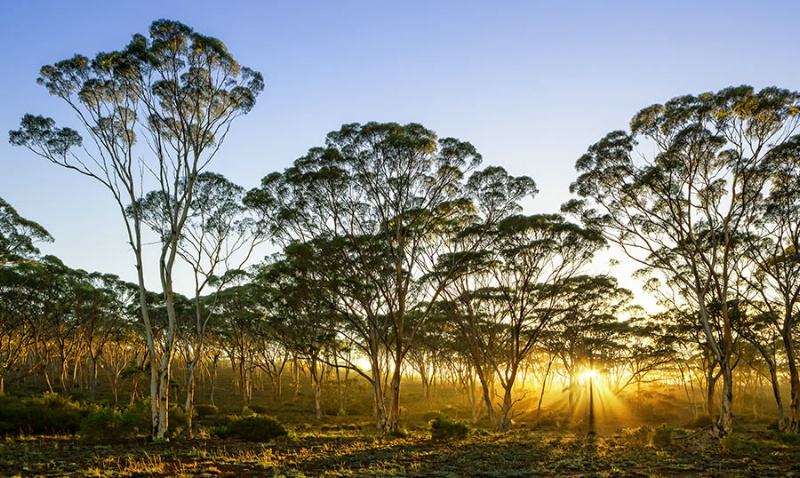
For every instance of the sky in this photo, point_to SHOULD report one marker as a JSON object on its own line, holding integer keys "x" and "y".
{"x": 531, "y": 84}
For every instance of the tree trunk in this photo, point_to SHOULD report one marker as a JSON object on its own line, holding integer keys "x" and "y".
{"x": 725, "y": 422}
{"x": 544, "y": 386}
{"x": 794, "y": 381}
{"x": 190, "y": 386}
{"x": 504, "y": 423}
{"x": 487, "y": 394}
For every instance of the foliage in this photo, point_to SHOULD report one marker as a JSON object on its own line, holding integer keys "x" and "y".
{"x": 252, "y": 428}
{"x": 204, "y": 410}
{"x": 443, "y": 428}
{"x": 45, "y": 414}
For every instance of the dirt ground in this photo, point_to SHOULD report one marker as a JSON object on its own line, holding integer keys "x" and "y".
{"x": 642, "y": 452}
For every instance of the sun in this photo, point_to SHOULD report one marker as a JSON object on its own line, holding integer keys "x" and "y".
{"x": 588, "y": 375}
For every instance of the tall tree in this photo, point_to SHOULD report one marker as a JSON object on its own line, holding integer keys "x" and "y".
{"x": 156, "y": 113}
{"x": 514, "y": 292}
{"x": 382, "y": 199}
{"x": 219, "y": 235}
{"x": 774, "y": 248}
{"x": 681, "y": 212}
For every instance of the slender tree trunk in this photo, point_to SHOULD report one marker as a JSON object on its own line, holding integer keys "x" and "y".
{"x": 316, "y": 386}
{"x": 486, "y": 390}
{"x": 214, "y": 363}
{"x": 393, "y": 423}
{"x": 544, "y": 385}
{"x": 190, "y": 388}
{"x": 725, "y": 422}
{"x": 93, "y": 378}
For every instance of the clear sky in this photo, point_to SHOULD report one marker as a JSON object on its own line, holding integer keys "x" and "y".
{"x": 531, "y": 84}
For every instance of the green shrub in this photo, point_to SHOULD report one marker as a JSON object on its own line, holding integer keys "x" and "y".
{"x": 638, "y": 438}
{"x": 105, "y": 426}
{"x": 50, "y": 413}
{"x": 788, "y": 438}
{"x": 204, "y": 410}
{"x": 259, "y": 409}
{"x": 427, "y": 417}
{"x": 252, "y": 428}
{"x": 443, "y": 428}
{"x": 400, "y": 433}
{"x": 662, "y": 437}
{"x": 109, "y": 425}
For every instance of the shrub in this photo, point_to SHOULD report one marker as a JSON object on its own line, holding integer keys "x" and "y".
{"x": 259, "y": 409}
{"x": 400, "y": 433}
{"x": 49, "y": 413}
{"x": 637, "y": 438}
{"x": 105, "y": 426}
{"x": 662, "y": 437}
{"x": 11, "y": 413}
{"x": 109, "y": 425}
{"x": 443, "y": 428}
{"x": 204, "y": 410}
{"x": 252, "y": 428}
{"x": 427, "y": 417}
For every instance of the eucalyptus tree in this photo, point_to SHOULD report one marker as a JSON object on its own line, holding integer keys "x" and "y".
{"x": 18, "y": 253}
{"x": 774, "y": 248}
{"x": 496, "y": 196}
{"x": 102, "y": 302}
{"x": 515, "y": 292}
{"x": 240, "y": 309}
{"x": 18, "y": 236}
{"x": 590, "y": 331}
{"x": 156, "y": 113}
{"x": 386, "y": 198}
{"x": 757, "y": 329}
{"x": 298, "y": 319}
{"x": 219, "y": 235}
{"x": 18, "y": 305}
{"x": 682, "y": 211}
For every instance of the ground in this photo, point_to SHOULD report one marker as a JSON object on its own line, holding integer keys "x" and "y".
{"x": 640, "y": 452}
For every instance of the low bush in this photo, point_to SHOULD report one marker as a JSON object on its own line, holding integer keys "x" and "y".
{"x": 662, "y": 437}
{"x": 427, "y": 417}
{"x": 443, "y": 428}
{"x": 49, "y": 413}
{"x": 252, "y": 428}
{"x": 204, "y": 410}
{"x": 110, "y": 425}
{"x": 259, "y": 409}
{"x": 637, "y": 439}
{"x": 12, "y": 414}
{"x": 105, "y": 426}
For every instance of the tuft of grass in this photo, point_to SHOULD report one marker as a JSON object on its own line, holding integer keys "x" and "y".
{"x": 444, "y": 428}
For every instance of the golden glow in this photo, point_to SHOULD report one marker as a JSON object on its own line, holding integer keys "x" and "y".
{"x": 587, "y": 375}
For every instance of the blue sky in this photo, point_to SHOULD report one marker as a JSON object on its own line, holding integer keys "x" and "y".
{"x": 531, "y": 84}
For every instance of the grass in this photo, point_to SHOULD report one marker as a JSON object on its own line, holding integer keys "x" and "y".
{"x": 649, "y": 438}
{"x": 521, "y": 453}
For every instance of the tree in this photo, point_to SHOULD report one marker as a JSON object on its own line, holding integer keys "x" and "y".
{"x": 18, "y": 235}
{"x": 682, "y": 212}
{"x": 218, "y": 236}
{"x": 513, "y": 291}
{"x": 158, "y": 110}
{"x": 774, "y": 249}
{"x": 589, "y": 332}
{"x": 382, "y": 199}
